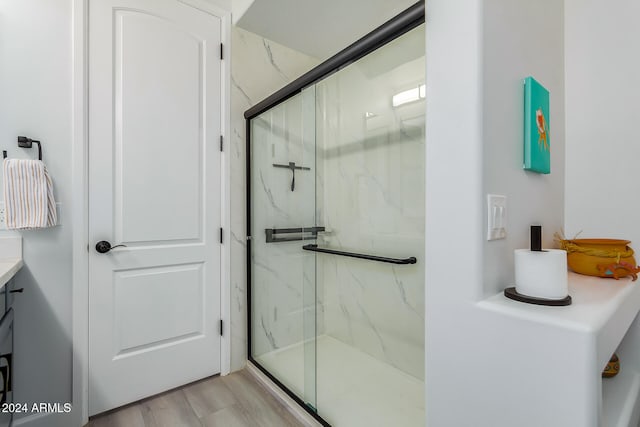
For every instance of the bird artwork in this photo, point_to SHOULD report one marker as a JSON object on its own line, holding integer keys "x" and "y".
{"x": 537, "y": 156}
{"x": 541, "y": 123}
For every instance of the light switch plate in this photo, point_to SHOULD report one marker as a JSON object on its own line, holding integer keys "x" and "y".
{"x": 496, "y": 217}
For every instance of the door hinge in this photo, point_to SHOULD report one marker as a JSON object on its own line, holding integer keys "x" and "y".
{"x": 221, "y": 327}
{"x": 221, "y": 51}
{"x": 221, "y": 143}
{"x": 221, "y": 234}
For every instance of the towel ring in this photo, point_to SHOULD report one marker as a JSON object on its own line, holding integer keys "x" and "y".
{"x": 26, "y": 142}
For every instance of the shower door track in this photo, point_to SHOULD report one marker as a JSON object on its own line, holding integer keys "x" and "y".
{"x": 387, "y": 32}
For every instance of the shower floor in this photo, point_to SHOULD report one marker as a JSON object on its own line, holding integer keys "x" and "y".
{"x": 353, "y": 388}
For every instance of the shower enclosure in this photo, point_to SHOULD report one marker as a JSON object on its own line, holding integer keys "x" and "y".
{"x": 335, "y": 207}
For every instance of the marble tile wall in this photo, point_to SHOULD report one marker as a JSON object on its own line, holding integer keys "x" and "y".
{"x": 259, "y": 67}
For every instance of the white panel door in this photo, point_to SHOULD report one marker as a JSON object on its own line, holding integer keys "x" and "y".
{"x": 155, "y": 187}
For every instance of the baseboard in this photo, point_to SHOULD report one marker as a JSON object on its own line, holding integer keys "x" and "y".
{"x": 45, "y": 420}
{"x": 293, "y": 407}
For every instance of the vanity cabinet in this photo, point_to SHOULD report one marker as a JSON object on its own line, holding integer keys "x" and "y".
{"x": 10, "y": 263}
{"x": 6, "y": 367}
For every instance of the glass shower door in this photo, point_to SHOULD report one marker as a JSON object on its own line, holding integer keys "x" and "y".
{"x": 370, "y": 147}
{"x": 283, "y": 283}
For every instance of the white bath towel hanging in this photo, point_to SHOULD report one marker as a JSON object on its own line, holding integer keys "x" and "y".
{"x": 28, "y": 195}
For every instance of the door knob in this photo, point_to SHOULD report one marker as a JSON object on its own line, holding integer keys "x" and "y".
{"x": 103, "y": 246}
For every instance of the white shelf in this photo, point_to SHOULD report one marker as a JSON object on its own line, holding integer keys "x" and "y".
{"x": 620, "y": 399}
{"x": 580, "y": 338}
{"x": 595, "y": 300}
{"x": 603, "y": 308}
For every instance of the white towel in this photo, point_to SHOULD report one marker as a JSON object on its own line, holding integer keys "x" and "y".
{"x": 28, "y": 195}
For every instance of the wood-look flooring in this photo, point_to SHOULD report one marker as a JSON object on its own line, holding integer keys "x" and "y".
{"x": 236, "y": 400}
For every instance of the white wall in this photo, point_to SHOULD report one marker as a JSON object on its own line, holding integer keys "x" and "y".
{"x": 521, "y": 38}
{"x": 453, "y": 211}
{"x": 35, "y": 100}
{"x": 478, "y": 52}
{"x": 602, "y": 96}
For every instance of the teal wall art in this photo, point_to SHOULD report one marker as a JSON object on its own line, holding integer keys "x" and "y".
{"x": 537, "y": 145}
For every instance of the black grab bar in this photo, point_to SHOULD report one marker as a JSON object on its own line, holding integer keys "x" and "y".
{"x": 315, "y": 248}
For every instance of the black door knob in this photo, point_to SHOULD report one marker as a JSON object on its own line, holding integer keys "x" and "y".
{"x": 103, "y": 246}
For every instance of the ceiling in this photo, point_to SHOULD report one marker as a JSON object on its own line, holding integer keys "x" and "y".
{"x": 318, "y": 28}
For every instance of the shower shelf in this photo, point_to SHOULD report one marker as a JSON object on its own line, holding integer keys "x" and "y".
{"x": 312, "y": 233}
{"x": 315, "y": 248}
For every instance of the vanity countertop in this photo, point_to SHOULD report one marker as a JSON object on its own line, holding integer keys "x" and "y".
{"x": 8, "y": 268}
{"x": 10, "y": 257}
